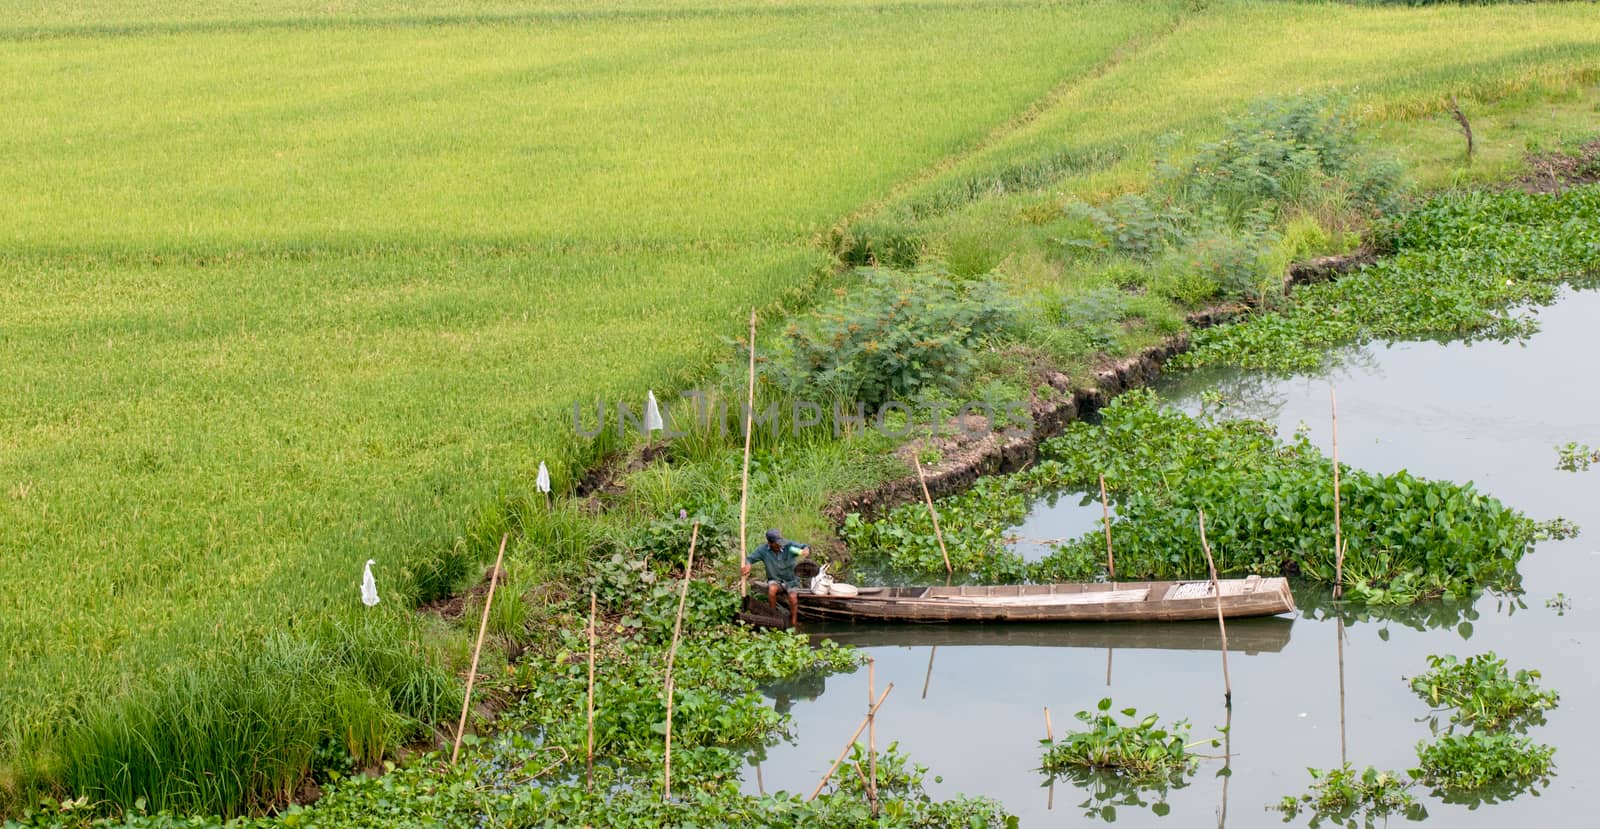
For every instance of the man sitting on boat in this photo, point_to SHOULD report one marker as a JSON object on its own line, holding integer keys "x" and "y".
{"x": 779, "y": 556}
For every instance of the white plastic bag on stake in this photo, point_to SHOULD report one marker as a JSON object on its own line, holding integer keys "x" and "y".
{"x": 652, "y": 414}
{"x": 369, "y": 586}
{"x": 543, "y": 481}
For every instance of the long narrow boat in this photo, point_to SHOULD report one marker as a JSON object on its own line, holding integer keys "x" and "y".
{"x": 1268, "y": 634}
{"x": 1148, "y": 601}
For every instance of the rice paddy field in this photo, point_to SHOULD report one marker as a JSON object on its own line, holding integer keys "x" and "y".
{"x": 289, "y": 286}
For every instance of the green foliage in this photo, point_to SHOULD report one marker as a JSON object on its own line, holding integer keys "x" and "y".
{"x": 1480, "y": 759}
{"x": 1463, "y": 264}
{"x": 1483, "y": 694}
{"x": 1268, "y": 505}
{"x": 893, "y": 336}
{"x": 1139, "y": 747}
{"x": 1130, "y": 226}
{"x": 1576, "y": 457}
{"x": 1283, "y": 152}
{"x": 1345, "y": 795}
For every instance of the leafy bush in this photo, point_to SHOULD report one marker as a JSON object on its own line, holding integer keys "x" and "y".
{"x": 1474, "y": 760}
{"x": 1282, "y": 151}
{"x": 1344, "y": 793}
{"x": 894, "y": 336}
{"x": 1483, "y": 693}
{"x": 1130, "y": 225}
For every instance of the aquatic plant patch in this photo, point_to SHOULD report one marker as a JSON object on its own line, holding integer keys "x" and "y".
{"x": 1464, "y": 265}
{"x": 1576, "y": 457}
{"x": 1479, "y": 759}
{"x": 1140, "y": 747}
{"x": 1350, "y": 796}
{"x": 1269, "y": 508}
{"x": 1482, "y": 693}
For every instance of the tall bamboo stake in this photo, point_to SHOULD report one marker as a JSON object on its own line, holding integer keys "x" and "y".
{"x": 872, "y": 739}
{"x": 852, "y": 741}
{"x": 483, "y": 627}
{"x": 672, "y": 655}
{"x": 1050, "y": 734}
{"x": 934, "y": 514}
{"x": 1105, "y": 514}
{"x": 1211, "y": 564}
{"x": 588, "y": 783}
{"x": 744, "y": 474}
{"x": 1338, "y": 529}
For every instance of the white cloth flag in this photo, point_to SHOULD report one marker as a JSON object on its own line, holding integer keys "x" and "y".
{"x": 369, "y": 586}
{"x": 652, "y": 414}
{"x": 543, "y": 481}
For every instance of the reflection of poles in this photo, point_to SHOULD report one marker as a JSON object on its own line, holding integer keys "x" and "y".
{"x": 1211, "y": 564}
{"x": 1227, "y": 767}
{"x": 1343, "y": 756}
{"x": 1050, "y": 734}
{"x": 744, "y": 475}
{"x": 672, "y": 655}
{"x": 929, "y": 677}
{"x": 760, "y": 786}
{"x": 1108, "y": 666}
{"x": 872, "y": 740}
{"x": 1338, "y": 530}
{"x": 934, "y": 514}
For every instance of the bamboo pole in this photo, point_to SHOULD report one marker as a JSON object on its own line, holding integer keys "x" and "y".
{"x": 588, "y": 783}
{"x": 928, "y": 677}
{"x": 872, "y": 737}
{"x": 483, "y": 627}
{"x": 672, "y": 655}
{"x": 1050, "y": 734}
{"x": 1216, "y": 588}
{"x": 934, "y": 514}
{"x": 1338, "y": 528}
{"x": 1109, "y": 651}
{"x": 1105, "y": 514}
{"x": 744, "y": 473}
{"x": 852, "y": 741}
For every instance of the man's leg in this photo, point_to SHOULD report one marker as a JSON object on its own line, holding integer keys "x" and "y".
{"x": 772, "y": 594}
{"x": 794, "y": 609}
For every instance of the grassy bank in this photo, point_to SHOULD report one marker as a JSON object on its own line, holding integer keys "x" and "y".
{"x": 287, "y": 297}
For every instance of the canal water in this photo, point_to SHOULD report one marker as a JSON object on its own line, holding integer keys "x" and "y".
{"x": 969, "y": 702}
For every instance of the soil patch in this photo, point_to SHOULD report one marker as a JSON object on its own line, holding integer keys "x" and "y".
{"x": 1555, "y": 172}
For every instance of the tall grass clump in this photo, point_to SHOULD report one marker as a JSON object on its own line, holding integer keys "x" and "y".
{"x": 240, "y": 735}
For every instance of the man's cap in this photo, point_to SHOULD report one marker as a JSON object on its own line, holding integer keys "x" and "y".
{"x": 774, "y": 535}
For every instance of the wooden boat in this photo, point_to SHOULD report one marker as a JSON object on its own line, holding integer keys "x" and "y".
{"x": 1150, "y": 601}
{"x": 1268, "y": 634}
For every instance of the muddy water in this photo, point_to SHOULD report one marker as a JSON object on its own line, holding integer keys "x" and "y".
{"x": 969, "y": 702}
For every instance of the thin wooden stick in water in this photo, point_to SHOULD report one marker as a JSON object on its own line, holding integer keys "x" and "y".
{"x": 483, "y": 627}
{"x": 1338, "y": 529}
{"x": 588, "y": 778}
{"x": 872, "y": 738}
{"x": 672, "y": 655}
{"x": 1050, "y": 734}
{"x": 1105, "y": 514}
{"x": 1216, "y": 588}
{"x": 934, "y": 514}
{"x": 852, "y": 741}
{"x": 744, "y": 474}
{"x": 927, "y": 678}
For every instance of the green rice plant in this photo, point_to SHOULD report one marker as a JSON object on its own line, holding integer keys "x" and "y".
{"x": 1482, "y": 693}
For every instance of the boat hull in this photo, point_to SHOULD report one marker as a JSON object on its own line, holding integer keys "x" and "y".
{"x": 1091, "y": 602}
